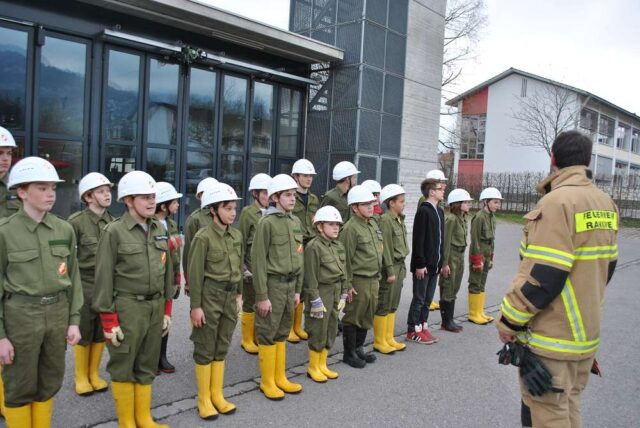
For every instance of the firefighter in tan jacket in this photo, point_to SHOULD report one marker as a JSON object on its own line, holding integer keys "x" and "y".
{"x": 554, "y": 303}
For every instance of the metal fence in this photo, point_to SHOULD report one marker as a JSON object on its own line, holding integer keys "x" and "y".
{"x": 520, "y": 195}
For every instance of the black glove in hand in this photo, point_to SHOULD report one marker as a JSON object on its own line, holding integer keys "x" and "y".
{"x": 511, "y": 353}
{"x": 535, "y": 375}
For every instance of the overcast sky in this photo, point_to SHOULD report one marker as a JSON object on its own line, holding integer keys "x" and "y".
{"x": 593, "y": 45}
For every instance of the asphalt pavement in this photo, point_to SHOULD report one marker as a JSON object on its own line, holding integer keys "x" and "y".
{"x": 456, "y": 382}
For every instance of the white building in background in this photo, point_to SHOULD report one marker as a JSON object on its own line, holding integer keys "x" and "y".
{"x": 489, "y": 131}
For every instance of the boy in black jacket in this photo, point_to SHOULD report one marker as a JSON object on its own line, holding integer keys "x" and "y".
{"x": 426, "y": 259}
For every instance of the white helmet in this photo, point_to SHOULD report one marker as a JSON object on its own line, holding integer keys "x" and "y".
{"x": 6, "y": 139}
{"x": 372, "y": 185}
{"x": 390, "y": 191}
{"x": 136, "y": 183}
{"x": 91, "y": 181}
{"x": 166, "y": 192}
{"x": 327, "y": 213}
{"x": 458, "y": 195}
{"x": 490, "y": 193}
{"x": 436, "y": 174}
{"x": 259, "y": 182}
{"x": 359, "y": 194}
{"x": 31, "y": 170}
{"x": 219, "y": 192}
{"x": 344, "y": 169}
{"x": 204, "y": 183}
{"x": 303, "y": 166}
{"x": 280, "y": 183}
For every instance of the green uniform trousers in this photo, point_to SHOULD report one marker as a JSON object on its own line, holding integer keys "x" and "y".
{"x": 478, "y": 280}
{"x": 136, "y": 359}
{"x": 323, "y": 331}
{"x": 395, "y": 290}
{"x": 248, "y": 295}
{"x": 211, "y": 341}
{"x": 276, "y": 325}
{"x": 361, "y": 310}
{"x": 38, "y": 334}
{"x": 449, "y": 287}
{"x": 90, "y": 325}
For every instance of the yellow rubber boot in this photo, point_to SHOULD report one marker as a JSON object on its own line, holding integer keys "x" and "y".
{"x": 18, "y": 416}
{"x": 475, "y": 309}
{"x": 1, "y": 394}
{"x": 81, "y": 356}
{"x": 217, "y": 387}
{"x": 95, "y": 358}
{"x": 203, "y": 380}
{"x": 267, "y": 358}
{"x": 379, "y": 335}
{"x": 142, "y": 395}
{"x": 41, "y": 413}
{"x": 293, "y": 337}
{"x": 248, "y": 330}
{"x": 297, "y": 322}
{"x": 281, "y": 366}
{"x": 313, "y": 370}
{"x": 482, "y": 314}
{"x": 123, "y": 396}
{"x": 390, "y": 336}
{"x": 323, "y": 365}
{"x": 434, "y": 306}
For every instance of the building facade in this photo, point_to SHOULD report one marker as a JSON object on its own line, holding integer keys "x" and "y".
{"x": 184, "y": 90}
{"x": 489, "y": 127}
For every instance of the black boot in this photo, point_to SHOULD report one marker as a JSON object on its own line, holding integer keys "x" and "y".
{"x": 164, "y": 365}
{"x": 360, "y": 338}
{"x": 447, "y": 317}
{"x": 349, "y": 340}
{"x": 452, "y": 307}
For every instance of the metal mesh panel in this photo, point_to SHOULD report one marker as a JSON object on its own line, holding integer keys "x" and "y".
{"x": 349, "y": 39}
{"x": 369, "y": 137}
{"x": 371, "y": 96}
{"x": 345, "y": 87}
{"x": 391, "y": 135}
{"x": 318, "y": 131}
{"x": 398, "y": 16}
{"x": 343, "y": 131}
{"x": 396, "y": 51}
{"x": 323, "y": 176}
{"x": 388, "y": 171}
{"x": 301, "y": 15}
{"x": 350, "y": 10}
{"x": 326, "y": 35}
{"x": 376, "y": 10}
{"x": 374, "y": 38}
{"x": 368, "y": 168}
{"x": 324, "y": 13}
{"x": 393, "y": 91}
{"x": 320, "y": 93}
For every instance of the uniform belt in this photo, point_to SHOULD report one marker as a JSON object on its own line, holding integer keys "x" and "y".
{"x": 285, "y": 278}
{"x": 458, "y": 249}
{"x": 139, "y": 297}
{"x": 226, "y": 286}
{"x": 399, "y": 261}
{"x": 41, "y": 300}
{"x": 365, "y": 277}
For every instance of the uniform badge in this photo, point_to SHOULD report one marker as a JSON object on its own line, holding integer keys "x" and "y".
{"x": 163, "y": 257}
{"x": 62, "y": 269}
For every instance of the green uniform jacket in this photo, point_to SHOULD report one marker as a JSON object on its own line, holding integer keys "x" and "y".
{"x": 249, "y": 218}
{"x": 324, "y": 264}
{"x": 88, "y": 228}
{"x": 363, "y": 245}
{"x": 130, "y": 260}
{"x": 455, "y": 233}
{"x": 394, "y": 235}
{"x": 196, "y": 221}
{"x": 337, "y": 199}
{"x": 39, "y": 259}
{"x": 305, "y": 214}
{"x": 483, "y": 231}
{"x": 216, "y": 256}
{"x": 9, "y": 202}
{"x": 278, "y": 246}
